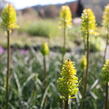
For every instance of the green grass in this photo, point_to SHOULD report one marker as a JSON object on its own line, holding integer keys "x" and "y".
{"x": 29, "y": 89}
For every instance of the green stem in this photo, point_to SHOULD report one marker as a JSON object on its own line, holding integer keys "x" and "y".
{"x": 106, "y": 97}
{"x": 64, "y": 44}
{"x": 44, "y": 64}
{"x": 84, "y": 44}
{"x": 85, "y": 79}
{"x": 8, "y": 68}
{"x": 66, "y": 106}
{"x": 87, "y": 66}
{"x": 106, "y": 86}
{"x": 105, "y": 51}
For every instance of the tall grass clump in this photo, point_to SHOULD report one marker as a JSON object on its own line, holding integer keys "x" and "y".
{"x": 68, "y": 82}
{"x": 106, "y": 26}
{"x": 88, "y": 27}
{"x": 8, "y": 23}
{"x": 43, "y": 28}
{"x": 105, "y": 79}
{"x": 65, "y": 22}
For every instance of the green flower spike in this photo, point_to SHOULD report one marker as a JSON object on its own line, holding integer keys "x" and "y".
{"x": 8, "y": 17}
{"x": 68, "y": 81}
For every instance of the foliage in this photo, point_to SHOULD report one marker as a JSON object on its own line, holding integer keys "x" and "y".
{"x": 26, "y": 83}
{"x": 28, "y": 89}
{"x": 97, "y": 43}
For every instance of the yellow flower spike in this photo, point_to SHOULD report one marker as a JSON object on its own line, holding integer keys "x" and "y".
{"x": 65, "y": 16}
{"x": 8, "y": 17}
{"x": 44, "y": 49}
{"x": 83, "y": 62}
{"x": 68, "y": 81}
{"x": 88, "y": 21}
{"x": 105, "y": 72}
{"x": 106, "y": 17}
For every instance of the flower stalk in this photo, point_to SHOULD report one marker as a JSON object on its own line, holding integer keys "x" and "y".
{"x": 66, "y": 104}
{"x": 65, "y": 22}
{"x": 105, "y": 51}
{"x": 8, "y": 23}
{"x": 105, "y": 79}
{"x": 86, "y": 73}
{"x": 106, "y": 96}
{"x": 106, "y": 84}
{"x": 106, "y": 66}
{"x": 64, "y": 44}
{"x": 44, "y": 64}
{"x": 8, "y": 69}
{"x": 106, "y": 27}
{"x": 45, "y": 52}
{"x": 88, "y": 27}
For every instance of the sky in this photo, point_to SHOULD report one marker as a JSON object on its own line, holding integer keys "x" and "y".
{"x": 19, "y": 4}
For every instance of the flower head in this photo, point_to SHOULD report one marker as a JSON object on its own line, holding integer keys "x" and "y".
{"x": 106, "y": 17}
{"x": 88, "y": 22}
{"x": 68, "y": 81}
{"x": 65, "y": 16}
{"x": 8, "y": 17}
{"x": 105, "y": 72}
{"x": 44, "y": 49}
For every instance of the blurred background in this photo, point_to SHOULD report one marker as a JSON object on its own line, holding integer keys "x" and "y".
{"x": 39, "y": 22}
{"x": 46, "y": 14}
{"x": 41, "y": 6}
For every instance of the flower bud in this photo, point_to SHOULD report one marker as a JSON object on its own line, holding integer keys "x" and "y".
{"x": 44, "y": 49}
{"x": 83, "y": 62}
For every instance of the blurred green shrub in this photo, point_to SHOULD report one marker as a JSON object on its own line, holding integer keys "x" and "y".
{"x": 97, "y": 43}
{"x": 42, "y": 28}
